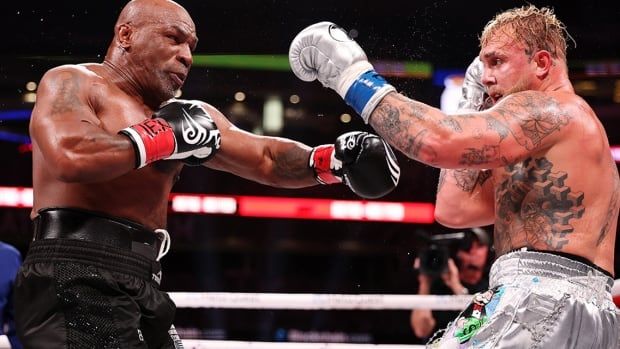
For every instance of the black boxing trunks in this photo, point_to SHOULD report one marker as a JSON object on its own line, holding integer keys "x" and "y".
{"x": 92, "y": 281}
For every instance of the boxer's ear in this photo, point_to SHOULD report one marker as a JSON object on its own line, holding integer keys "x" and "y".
{"x": 124, "y": 36}
{"x": 543, "y": 61}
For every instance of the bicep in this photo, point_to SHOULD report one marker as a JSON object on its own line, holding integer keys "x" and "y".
{"x": 69, "y": 135}
{"x": 515, "y": 128}
{"x": 62, "y": 112}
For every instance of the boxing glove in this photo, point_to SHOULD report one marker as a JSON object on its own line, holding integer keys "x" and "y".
{"x": 325, "y": 52}
{"x": 474, "y": 96}
{"x": 180, "y": 129}
{"x": 363, "y": 161}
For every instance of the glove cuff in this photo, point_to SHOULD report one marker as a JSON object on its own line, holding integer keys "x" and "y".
{"x": 350, "y": 75}
{"x": 366, "y": 91}
{"x": 324, "y": 163}
{"x": 152, "y": 139}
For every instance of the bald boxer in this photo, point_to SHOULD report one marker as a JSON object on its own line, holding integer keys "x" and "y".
{"x": 108, "y": 145}
{"x": 537, "y": 165}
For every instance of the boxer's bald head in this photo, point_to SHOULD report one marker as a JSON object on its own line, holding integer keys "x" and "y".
{"x": 142, "y": 11}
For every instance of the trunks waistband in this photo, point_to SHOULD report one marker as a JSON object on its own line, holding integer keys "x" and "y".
{"x": 96, "y": 227}
{"x": 574, "y": 257}
{"x": 544, "y": 264}
{"x": 93, "y": 254}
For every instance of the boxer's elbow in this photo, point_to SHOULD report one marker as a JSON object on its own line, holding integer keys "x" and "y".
{"x": 463, "y": 216}
{"x": 449, "y": 213}
{"x": 67, "y": 168}
{"x": 450, "y": 219}
{"x": 70, "y": 165}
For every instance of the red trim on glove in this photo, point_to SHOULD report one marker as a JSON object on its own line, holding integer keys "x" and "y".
{"x": 157, "y": 137}
{"x": 320, "y": 161}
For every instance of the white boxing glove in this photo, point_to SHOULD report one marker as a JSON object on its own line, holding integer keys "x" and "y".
{"x": 474, "y": 96}
{"x": 325, "y": 52}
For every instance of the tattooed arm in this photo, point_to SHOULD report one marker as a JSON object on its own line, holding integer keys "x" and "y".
{"x": 66, "y": 131}
{"x": 520, "y": 124}
{"x": 465, "y": 198}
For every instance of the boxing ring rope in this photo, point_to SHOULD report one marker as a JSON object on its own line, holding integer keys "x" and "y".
{"x": 309, "y": 301}
{"x": 214, "y": 344}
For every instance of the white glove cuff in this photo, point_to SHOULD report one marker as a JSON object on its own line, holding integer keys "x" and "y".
{"x": 349, "y": 75}
{"x": 362, "y": 88}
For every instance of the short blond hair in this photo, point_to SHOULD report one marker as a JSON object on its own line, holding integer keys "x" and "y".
{"x": 536, "y": 28}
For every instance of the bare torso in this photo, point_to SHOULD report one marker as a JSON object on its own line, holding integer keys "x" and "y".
{"x": 140, "y": 195}
{"x": 564, "y": 198}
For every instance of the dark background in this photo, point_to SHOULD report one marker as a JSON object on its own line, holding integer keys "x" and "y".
{"x": 231, "y": 254}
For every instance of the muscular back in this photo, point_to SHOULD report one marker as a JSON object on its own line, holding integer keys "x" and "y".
{"x": 563, "y": 198}
{"x": 78, "y": 158}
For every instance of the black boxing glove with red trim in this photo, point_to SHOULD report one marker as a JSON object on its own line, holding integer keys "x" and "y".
{"x": 363, "y": 161}
{"x": 180, "y": 130}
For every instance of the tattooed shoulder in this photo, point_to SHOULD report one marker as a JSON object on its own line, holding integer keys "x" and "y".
{"x": 531, "y": 117}
{"x": 66, "y": 97}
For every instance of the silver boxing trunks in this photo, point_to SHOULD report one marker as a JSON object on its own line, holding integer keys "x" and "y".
{"x": 538, "y": 300}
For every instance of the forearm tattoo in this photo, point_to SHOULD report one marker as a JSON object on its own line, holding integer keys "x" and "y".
{"x": 405, "y": 134}
{"x": 292, "y": 164}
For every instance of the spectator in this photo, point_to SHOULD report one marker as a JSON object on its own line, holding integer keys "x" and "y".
{"x": 467, "y": 274}
{"x": 10, "y": 260}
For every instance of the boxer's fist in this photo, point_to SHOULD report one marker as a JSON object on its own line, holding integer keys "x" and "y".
{"x": 325, "y": 52}
{"x": 474, "y": 96}
{"x": 179, "y": 130}
{"x": 200, "y": 139}
{"x": 363, "y": 161}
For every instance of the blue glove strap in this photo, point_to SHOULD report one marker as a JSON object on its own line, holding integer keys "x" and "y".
{"x": 362, "y": 89}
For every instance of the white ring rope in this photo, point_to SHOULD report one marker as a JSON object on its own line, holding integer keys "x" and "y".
{"x": 213, "y": 344}
{"x": 308, "y": 301}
